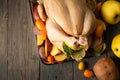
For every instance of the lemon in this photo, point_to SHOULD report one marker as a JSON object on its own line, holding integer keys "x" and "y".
{"x": 115, "y": 46}
{"x": 74, "y": 54}
{"x": 73, "y": 47}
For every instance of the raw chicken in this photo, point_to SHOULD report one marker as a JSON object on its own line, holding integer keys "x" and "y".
{"x": 69, "y": 21}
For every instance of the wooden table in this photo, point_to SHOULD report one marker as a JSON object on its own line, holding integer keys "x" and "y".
{"x": 18, "y": 51}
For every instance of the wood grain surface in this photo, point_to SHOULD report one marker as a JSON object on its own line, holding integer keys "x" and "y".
{"x": 18, "y": 51}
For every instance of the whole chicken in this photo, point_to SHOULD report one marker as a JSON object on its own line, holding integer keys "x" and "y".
{"x": 68, "y": 21}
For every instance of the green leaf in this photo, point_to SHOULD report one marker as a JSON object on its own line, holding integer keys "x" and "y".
{"x": 68, "y": 50}
{"x": 75, "y": 54}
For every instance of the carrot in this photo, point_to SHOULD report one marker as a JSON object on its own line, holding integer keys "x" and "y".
{"x": 44, "y": 34}
{"x": 99, "y": 31}
{"x": 50, "y": 59}
{"x": 100, "y": 28}
{"x": 40, "y": 24}
{"x": 97, "y": 11}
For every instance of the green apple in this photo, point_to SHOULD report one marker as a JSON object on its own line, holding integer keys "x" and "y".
{"x": 110, "y": 11}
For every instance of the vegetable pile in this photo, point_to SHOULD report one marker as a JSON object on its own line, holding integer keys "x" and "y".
{"x": 57, "y": 43}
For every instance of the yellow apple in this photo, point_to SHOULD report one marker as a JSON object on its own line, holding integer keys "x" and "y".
{"x": 110, "y": 11}
{"x": 115, "y": 46}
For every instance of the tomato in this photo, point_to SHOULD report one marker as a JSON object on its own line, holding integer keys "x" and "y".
{"x": 88, "y": 73}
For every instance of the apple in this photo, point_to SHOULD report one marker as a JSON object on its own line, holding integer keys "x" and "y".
{"x": 110, "y": 11}
{"x": 115, "y": 46}
{"x": 60, "y": 57}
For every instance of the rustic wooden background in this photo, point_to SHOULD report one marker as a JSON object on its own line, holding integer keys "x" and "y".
{"x": 18, "y": 51}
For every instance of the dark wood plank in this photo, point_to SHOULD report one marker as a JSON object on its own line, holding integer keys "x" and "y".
{"x": 23, "y": 63}
{"x": 62, "y": 71}
{"x": 3, "y": 39}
